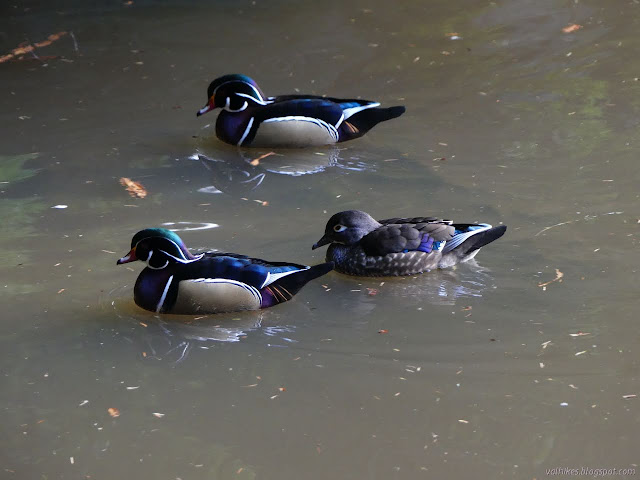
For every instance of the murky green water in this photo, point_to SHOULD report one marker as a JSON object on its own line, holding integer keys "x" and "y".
{"x": 482, "y": 374}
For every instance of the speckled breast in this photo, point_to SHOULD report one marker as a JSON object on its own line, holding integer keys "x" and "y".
{"x": 353, "y": 261}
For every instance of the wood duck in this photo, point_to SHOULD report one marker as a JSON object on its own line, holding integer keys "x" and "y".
{"x": 175, "y": 281}
{"x": 250, "y": 119}
{"x": 363, "y": 246}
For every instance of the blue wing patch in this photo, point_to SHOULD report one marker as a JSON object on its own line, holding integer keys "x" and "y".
{"x": 426, "y": 245}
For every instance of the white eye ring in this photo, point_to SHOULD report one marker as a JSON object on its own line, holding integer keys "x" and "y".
{"x": 339, "y": 228}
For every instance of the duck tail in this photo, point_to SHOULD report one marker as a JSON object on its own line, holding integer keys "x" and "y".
{"x": 465, "y": 246}
{"x": 360, "y": 123}
{"x": 484, "y": 237}
{"x": 285, "y": 288}
{"x": 391, "y": 112}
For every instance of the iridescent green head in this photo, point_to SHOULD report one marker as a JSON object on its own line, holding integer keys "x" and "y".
{"x": 233, "y": 93}
{"x": 157, "y": 247}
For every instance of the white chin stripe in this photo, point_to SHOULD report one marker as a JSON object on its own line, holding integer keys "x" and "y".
{"x": 149, "y": 264}
{"x": 228, "y": 108}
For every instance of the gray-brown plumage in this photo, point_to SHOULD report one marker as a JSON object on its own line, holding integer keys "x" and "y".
{"x": 363, "y": 246}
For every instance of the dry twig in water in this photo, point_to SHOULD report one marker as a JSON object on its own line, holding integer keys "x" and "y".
{"x": 558, "y": 278}
{"x": 256, "y": 161}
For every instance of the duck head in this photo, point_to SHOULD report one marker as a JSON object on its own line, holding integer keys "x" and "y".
{"x": 347, "y": 228}
{"x": 233, "y": 93}
{"x": 158, "y": 248}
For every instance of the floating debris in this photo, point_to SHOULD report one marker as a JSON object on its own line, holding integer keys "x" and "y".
{"x": 571, "y": 28}
{"x": 558, "y": 278}
{"x": 24, "y": 47}
{"x": 256, "y": 161}
{"x": 134, "y": 188}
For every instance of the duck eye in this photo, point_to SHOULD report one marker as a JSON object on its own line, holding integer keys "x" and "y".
{"x": 339, "y": 228}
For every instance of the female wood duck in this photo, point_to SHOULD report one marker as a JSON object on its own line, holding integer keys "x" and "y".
{"x": 363, "y": 246}
{"x": 250, "y": 119}
{"x": 175, "y": 281}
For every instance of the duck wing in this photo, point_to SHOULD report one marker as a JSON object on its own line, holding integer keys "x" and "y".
{"x": 407, "y": 234}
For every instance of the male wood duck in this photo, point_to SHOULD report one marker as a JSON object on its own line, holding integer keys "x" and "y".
{"x": 175, "y": 281}
{"x": 363, "y": 246}
{"x": 250, "y": 119}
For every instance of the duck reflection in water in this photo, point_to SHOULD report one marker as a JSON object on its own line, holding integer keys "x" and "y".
{"x": 171, "y": 338}
{"x": 238, "y": 172}
{"x": 442, "y": 287}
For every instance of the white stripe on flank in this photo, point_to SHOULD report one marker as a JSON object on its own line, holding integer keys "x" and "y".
{"x": 250, "y": 288}
{"x": 332, "y": 130}
{"x": 348, "y": 112}
{"x": 340, "y": 121}
{"x": 246, "y": 132}
{"x": 164, "y": 294}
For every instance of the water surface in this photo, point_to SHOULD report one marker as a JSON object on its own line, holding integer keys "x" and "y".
{"x": 482, "y": 373}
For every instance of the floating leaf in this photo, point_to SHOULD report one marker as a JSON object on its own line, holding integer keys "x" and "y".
{"x": 571, "y": 28}
{"x": 135, "y": 189}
